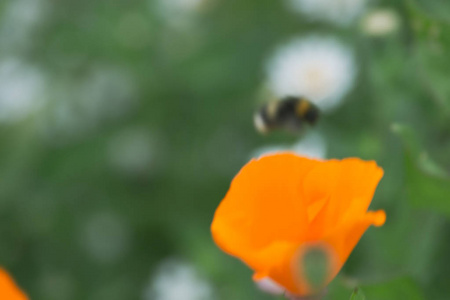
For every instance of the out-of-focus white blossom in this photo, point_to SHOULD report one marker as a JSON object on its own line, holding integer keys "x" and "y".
{"x": 380, "y": 22}
{"x": 19, "y": 20}
{"x": 175, "y": 280}
{"x": 107, "y": 92}
{"x": 336, "y": 11}
{"x": 80, "y": 105}
{"x": 311, "y": 145}
{"x": 321, "y": 69}
{"x": 21, "y": 90}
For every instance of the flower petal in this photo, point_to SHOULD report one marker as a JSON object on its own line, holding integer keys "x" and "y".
{"x": 283, "y": 203}
{"x": 345, "y": 237}
{"x": 8, "y": 289}
{"x": 349, "y": 185}
{"x": 263, "y": 204}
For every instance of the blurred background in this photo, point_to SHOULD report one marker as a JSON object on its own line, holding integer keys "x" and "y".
{"x": 123, "y": 122}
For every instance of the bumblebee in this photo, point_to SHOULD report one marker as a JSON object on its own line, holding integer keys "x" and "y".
{"x": 289, "y": 113}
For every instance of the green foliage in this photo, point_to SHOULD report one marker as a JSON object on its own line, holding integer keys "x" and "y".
{"x": 357, "y": 295}
{"x": 402, "y": 288}
{"x": 428, "y": 184}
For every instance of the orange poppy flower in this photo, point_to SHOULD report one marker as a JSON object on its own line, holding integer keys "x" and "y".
{"x": 281, "y": 205}
{"x": 8, "y": 289}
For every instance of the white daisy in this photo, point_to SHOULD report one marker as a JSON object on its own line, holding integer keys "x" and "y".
{"x": 311, "y": 145}
{"x": 318, "y": 68}
{"x": 21, "y": 90}
{"x": 336, "y": 11}
{"x": 380, "y": 22}
{"x": 175, "y": 280}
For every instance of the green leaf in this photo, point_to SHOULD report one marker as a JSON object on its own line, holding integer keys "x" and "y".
{"x": 357, "y": 295}
{"x": 431, "y": 43}
{"x": 401, "y": 288}
{"x": 427, "y": 184}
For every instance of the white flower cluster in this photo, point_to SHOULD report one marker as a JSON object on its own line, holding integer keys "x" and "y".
{"x": 18, "y": 22}
{"x": 78, "y": 106}
{"x": 380, "y": 22}
{"x": 21, "y": 90}
{"x": 175, "y": 280}
{"x": 319, "y": 68}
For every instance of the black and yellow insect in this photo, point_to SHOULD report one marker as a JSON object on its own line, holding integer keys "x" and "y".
{"x": 289, "y": 113}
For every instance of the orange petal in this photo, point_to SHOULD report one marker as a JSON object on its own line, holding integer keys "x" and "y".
{"x": 345, "y": 237}
{"x": 349, "y": 185}
{"x": 357, "y": 185}
{"x": 276, "y": 261}
{"x": 279, "y": 203}
{"x": 263, "y": 205}
{"x": 8, "y": 289}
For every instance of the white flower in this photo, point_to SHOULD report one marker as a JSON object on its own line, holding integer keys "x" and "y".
{"x": 19, "y": 20}
{"x": 311, "y": 145}
{"x": 78, "y": 106}
{"x": 320, "y": 69}
{"x": 21, "y": 90}
{"x": 175, "y": 280}
{"x": 336, "y": 11}
{"x": 380, "y": 22}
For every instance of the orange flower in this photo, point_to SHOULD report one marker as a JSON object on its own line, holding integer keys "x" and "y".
{"x": 280, "y": 205}
{"x": 8, "y": 289}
